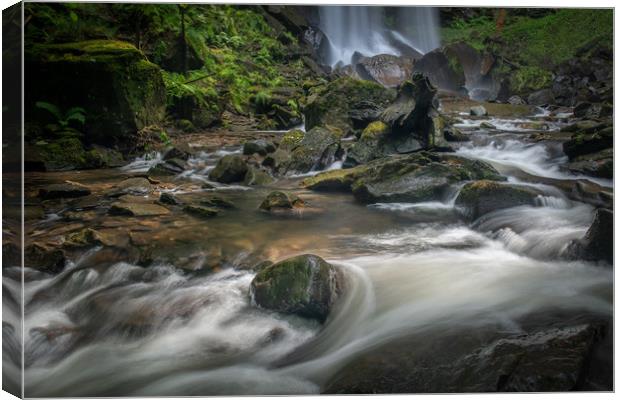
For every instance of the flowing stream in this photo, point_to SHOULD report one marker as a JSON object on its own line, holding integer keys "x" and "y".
{"x": 411, "y": 269}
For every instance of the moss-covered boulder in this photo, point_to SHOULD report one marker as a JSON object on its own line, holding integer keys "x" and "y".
{"x": 305, "y": 285}
{"x": 370, "y": 144}
{"x": 347, "y": 104}
{"x": 256, "y": 177}
{"x": 229, "y": 169}
{"x": 481, "y": 197}
{"x": 260, "y": 147}
{"x": 120, "y": 90}
{"x": 318, "y": 149}
{"x": 416, "y": 177}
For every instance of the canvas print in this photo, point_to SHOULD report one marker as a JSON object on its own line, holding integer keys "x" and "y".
{"x": 285, "y": 200}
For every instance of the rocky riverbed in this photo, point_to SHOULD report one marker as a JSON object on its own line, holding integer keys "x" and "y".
{"x": 478, "y": 263}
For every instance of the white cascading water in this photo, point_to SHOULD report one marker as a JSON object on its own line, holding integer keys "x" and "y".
{"x": 363, "y": 29}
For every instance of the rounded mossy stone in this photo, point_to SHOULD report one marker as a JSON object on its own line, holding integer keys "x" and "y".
{"x": 484, "y": 196}
{"x": 375, "y": 130}
{"x": 291, "y": 139}
{"x": 229, "y": 169}
{"x": 304, "y": 285}
{"x": 277, "y": 199}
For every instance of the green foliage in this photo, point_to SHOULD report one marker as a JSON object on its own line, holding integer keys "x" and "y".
{"x": 164, "y": 138}
{"x": 529, "y": 79}
{"x": 62, "y": 121}
{"x": 542, "y": 42}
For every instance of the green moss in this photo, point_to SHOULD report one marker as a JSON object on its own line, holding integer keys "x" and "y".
{"x": 542, "y": 42}
{"x": 64, "y": 153}
{"x": 375, "y": 130}
{"x": 292, "y": 139}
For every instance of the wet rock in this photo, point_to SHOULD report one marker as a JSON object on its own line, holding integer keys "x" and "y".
{"x": 229, "y": 169}
{"x": 599, "y": 164}
{"x": 44, "y": 258}
{"x": 132, "y": 186}
{"x": 597, "y": 244}
{"x": 175, "y": 152}
{"x": 592, "y": 110}
{"x": 103, "y": 157}
{"x": 452, "y": 134}
{"x": 422, "y": 176}
{"x": 82, "y": 238}
{"x": 370, "y": 145}
{"x": 410, "y": 116}
{"x": 482, "y": 197}
{"x": 516, "y": 100}
{"x": 200, "y": 211}
{"x": 261, "y": 147}
{"x": 478, "y": 111}
{"x": 63, "y": 190}
{"x": 172, "y": 166}
{"x": 582, "y": 143}
{"x": 305, "y": 285}
{"x": 256, "y": 177}
{"x": 279, "y": 200}
{"x": 218, "y": 202}
{"x": 318, "y": 149}
{"x": 277, "y": 160}
{"x": 168, "y": 198}
{"x": 386, "y": 69}
{"x": 541, "y": 97}
{"x": 347, "y": 104}
{"x": 137, "y": 209}
{"x": 487, "y": 125}
{"x": 443, "y": 69}
{"x": 554, "y": 359}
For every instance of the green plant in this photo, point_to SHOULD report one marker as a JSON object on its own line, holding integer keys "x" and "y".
{"x": 62, "y": 124}
{"x": 164, "y": 138}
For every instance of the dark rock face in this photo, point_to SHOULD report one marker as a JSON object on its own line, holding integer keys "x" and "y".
{"x": 598, "y": 242}
{"x": 590, "y": 149}
{"x": 545, "y": 360}
{"x": 63, "y": 190}
{"x": 420, "y": 176}
{"x": 229, "y": 169}
{"x": 482, "y": 197}
{"x": 386, "y": 69}
{"x": 541, "y": 97}
{"x": 43, "y": 258}
{"x": 443, "y": 70}
{"x": 347, "y": 104}
{"x": 120, "y": 90}
{"x": 305, "y": 285}
{"x": 172, "y": 166}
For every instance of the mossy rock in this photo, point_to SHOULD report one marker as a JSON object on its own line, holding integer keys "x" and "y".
{"x": 317, "y": 150}
{"x": 375, "y": 130}
{"x": 62, "y": 154}
{"x": 481, "y": 197}
{"x": 422, "y": 176}
{"x": 229, "y": 169}
{"x": 305, "y": 285}
{"x": 121, "y": 91}
{"x": 256, "y": 177}
{"x": 347, "y": 104}
{"x": 291, "y": 139}
{"x": 280, "y": 200}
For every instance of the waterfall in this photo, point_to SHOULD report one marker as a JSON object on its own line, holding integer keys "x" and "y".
{"x": 371, "y": 31}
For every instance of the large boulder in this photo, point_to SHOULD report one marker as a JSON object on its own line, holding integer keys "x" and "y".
{"x": 120, "y": 90}
{"x": 347, "y": 104}
{"x": 279, "y": 201}
{"x": 598, "y": 242}
{"x": 548, "y": 359}
{"x": 481, "y": 197}
{"x": 386, "y": 69}
{"x": 63, "y": 191}
{"x": 421, "y": 176}
{"x": 412, "y": 116}
{"x": 229, "y": 169}
{"x": 305, "y": 285}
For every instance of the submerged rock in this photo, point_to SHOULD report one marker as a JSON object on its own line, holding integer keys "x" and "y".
{"x": 168, "y": 198}
{"x": 200, "y": 211}
{"x": 132, "y": 186}
{"x": 482, "y": 197}
{"x": 137, "y": 209}
{"x": 280, "y": 201}
{"x": 598, "y": 242}
{"x": 229, "y": 169}
{"x": 305, "y": 285}
{"x": 43, "y": 258}
{"x": 63, "y": 190}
